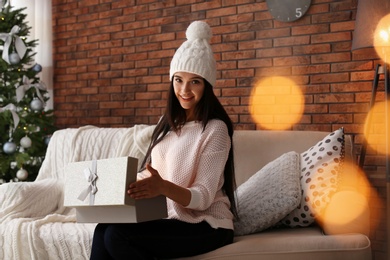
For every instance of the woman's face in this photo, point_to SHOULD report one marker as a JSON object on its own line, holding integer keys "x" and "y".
{"x": 189, "y": 90}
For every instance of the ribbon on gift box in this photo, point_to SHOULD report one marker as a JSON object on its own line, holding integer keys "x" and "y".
{"x": 90, "y": 176}
{"x": 12, "y": 109}
{"x": 21, "y": 90}
{"x": 19, "y": 44}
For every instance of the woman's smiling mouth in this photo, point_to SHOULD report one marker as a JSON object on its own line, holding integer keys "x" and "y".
{"x": 186, "y": 98}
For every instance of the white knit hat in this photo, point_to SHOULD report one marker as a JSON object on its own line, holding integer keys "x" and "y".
{"x": 195, "y": 55}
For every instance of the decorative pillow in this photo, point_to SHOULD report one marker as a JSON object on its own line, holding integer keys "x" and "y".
{"x": 269, "y": 195}
{"x": 320, "y": 169}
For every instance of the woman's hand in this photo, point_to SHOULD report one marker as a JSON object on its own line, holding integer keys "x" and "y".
{"x": 155, "y": 185}
{"x": 149, "y": 187}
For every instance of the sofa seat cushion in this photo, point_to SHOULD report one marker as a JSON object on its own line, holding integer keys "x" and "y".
{"x": 269, "y": 195}
{"x": 293, "y": 244}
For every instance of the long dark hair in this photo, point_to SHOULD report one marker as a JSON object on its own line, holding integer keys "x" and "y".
{"x": 208, "y": 108}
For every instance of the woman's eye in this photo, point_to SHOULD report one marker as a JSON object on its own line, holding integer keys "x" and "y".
{"x": 195, "y": 82}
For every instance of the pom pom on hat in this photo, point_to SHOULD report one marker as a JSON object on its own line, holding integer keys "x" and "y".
{"x": 198, "y": 30}
{"x": 195, "y": 55}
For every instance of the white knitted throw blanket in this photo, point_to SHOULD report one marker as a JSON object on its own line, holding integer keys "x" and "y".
{"x": 34, "y": 224}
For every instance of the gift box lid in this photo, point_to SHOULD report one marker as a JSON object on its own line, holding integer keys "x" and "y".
{"x": 100, "y": 182}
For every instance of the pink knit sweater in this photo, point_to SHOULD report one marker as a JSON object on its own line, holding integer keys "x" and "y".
{"x": 196, "y": 159}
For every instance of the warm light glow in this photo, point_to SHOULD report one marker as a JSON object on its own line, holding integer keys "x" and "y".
{"x": 384, "y": 35}
{"x": 276, "y": 103}
{"x": 382, "y": 39}
{"x": 350, "y": 206}
{"x": 374, "y": 131}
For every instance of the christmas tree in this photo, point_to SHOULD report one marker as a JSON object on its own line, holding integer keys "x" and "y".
{"x": 25, "y": 124}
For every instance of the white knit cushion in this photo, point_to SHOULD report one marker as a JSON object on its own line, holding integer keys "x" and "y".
{"x": 269, "y": 195}
{"x": 321, "y": 166}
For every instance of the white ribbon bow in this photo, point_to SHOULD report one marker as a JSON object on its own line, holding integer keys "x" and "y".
{"x": 3, "y": 3}
{"x": 12, "y": 109}
{"x": 19, "y": 44}
{"x": 90, "y": 176}
{"x": 21, "y": 90}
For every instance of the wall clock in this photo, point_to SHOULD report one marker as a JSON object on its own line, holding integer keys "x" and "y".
{"x": 288, "y": 10}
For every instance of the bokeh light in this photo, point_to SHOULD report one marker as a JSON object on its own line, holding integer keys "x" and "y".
{"x": 382, "y": 39}
{"x": 356, "y": 205}
{"x": 276, "y": 103}
{"x": 374, "y": 128}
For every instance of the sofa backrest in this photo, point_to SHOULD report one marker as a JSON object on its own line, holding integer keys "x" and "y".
{"x": 78, "y": 144}
{"x": 254, "y": 149}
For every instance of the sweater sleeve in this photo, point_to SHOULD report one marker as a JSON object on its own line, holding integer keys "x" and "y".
{"x": 209, "y": 178}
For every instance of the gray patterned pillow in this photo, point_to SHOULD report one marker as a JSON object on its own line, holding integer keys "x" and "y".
{"x": 320, "y": 169}
{"x": 269, "y": 195}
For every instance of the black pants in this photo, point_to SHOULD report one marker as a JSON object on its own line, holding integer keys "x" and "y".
{"x": 165, "y": 238}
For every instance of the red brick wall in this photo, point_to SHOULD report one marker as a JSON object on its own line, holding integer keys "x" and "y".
{"x": 112, "y": 61}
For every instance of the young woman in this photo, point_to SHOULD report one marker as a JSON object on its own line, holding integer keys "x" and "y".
{"x": 190, "y": 161}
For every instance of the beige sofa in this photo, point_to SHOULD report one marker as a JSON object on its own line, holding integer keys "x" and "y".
{"x": 253, "y": 150}
{"x": 34, "y": 224}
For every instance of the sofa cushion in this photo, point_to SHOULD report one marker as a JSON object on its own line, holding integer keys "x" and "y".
{"x": 292, "y": 244}
{"x": 321, "y": 166}
{"x": 269, "y": 195}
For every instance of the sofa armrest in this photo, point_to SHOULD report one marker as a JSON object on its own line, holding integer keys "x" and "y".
{"x": 30, "y": 199}
{"x": 347, "y": 212}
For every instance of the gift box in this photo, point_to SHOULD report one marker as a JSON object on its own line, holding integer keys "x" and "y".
{"x": 98, "y": 191}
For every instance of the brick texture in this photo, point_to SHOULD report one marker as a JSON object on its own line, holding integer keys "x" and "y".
{"x": 112, "y": 60}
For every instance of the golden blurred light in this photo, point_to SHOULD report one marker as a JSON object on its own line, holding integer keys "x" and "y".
{"x": 382, "y": 38}
{"x": 352, "y": 205}
{"x": 276, "y": 103}
{"x": 374, "y": 128}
